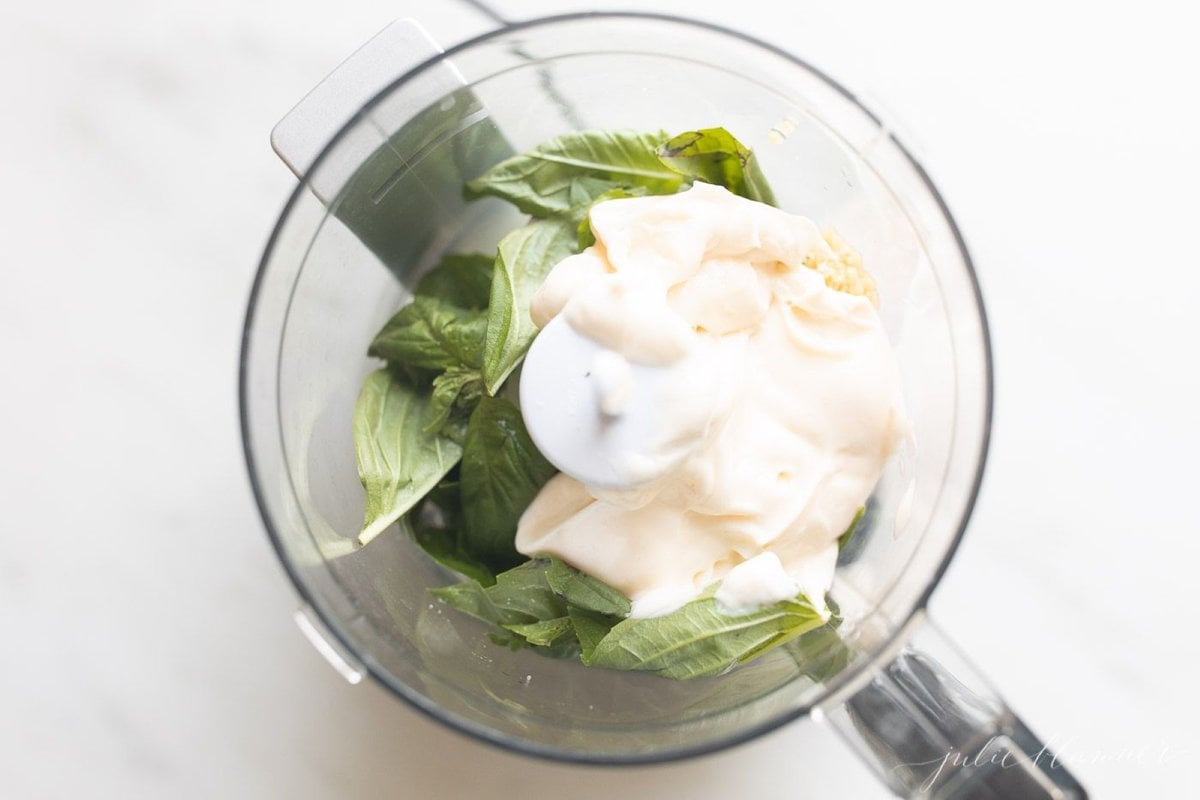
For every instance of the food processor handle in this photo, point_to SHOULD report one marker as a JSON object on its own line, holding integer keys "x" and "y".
{"x": 304, "y": 132}
{"x": 931, "y": 727}
{"x": 396, "y": 207}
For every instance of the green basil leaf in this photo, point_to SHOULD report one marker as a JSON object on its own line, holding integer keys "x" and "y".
{"x": 471, "y": 598}
{"x": 460, "y": 280}
{"x": 698, "y": 640}
{"x": 520, "y": 596}
{"x": 443, "y": 503}
{"x": 502, "y": 470}
{"x": 455, "y": 393}
{"x": 846, "y": 536}
{"x": 590, "y": 628}
{"x": 544, "y": 632}
{"x": 714, "y": 156}
{"x": 525, "y": 258}
{"x": 442, "y": 546}
{"x": 821, "y": 653}
{"x": 398, "y": 461}
{"x": 585, "y": 237}
{"x": 584, "y": 591}
{"x": 510, "y": 640}
{"x": 437, "y": 528}
{"x": 524, "y": 591}
{"x": 522, "y": 608}
{"x": 432, "y": 334}
{"x": 575, "y": 168}
{"x": 419, "y": 378}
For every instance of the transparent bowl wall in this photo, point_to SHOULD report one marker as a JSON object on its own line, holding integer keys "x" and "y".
{"x": 384, "y": 201}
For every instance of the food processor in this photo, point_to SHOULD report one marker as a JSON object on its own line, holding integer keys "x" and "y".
{"x": 382, "y": 149}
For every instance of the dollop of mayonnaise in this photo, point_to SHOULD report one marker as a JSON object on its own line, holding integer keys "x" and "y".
{"x": 776, "y": 403}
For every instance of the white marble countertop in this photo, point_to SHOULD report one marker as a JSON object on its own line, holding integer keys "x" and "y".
{"x": 149, "y": 649}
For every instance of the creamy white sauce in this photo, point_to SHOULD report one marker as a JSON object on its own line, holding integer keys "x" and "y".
{"x": 758, "y": 582}
{"x": 752, "y": 416}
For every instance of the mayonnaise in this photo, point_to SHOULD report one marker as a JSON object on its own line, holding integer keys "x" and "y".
{"x": 739, "y": 413}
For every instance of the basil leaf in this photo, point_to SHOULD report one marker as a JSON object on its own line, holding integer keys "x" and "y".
{"x": 820, "y": 654}
{"x": 585, "y": 237}
{"x": 417, "y": 377}
{"x": 522, "y": 608}
{"x": 699, "y": 640}
{"x": 398, "y": 462}
{"x": 584, "y": 591}
{"x": 590, "y": 628}
{"x": 443, "y": 505}
{"x": 574, "y": 169}
{"x": 437, "y": 528}
{"x": 455, "y": 393}
{"x": 471, "y": 598}
{"x": 442, "y": 546}
{"x": 543, "y": 633}
{"x": 525, "y": 258}
{"x": 460, "y": 280}
{"x": 510, "y": 640}
{"x": 846, "y": 536}
{"x": 523, "y": 590}
{"x": 520, "y": 596}
{"x": 502, "y": 470}
{"x": 712, "y": 155}
{"x": 432, "y": 334}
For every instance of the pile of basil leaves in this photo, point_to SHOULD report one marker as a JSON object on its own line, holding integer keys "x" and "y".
{"x": 439, "y": 439}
